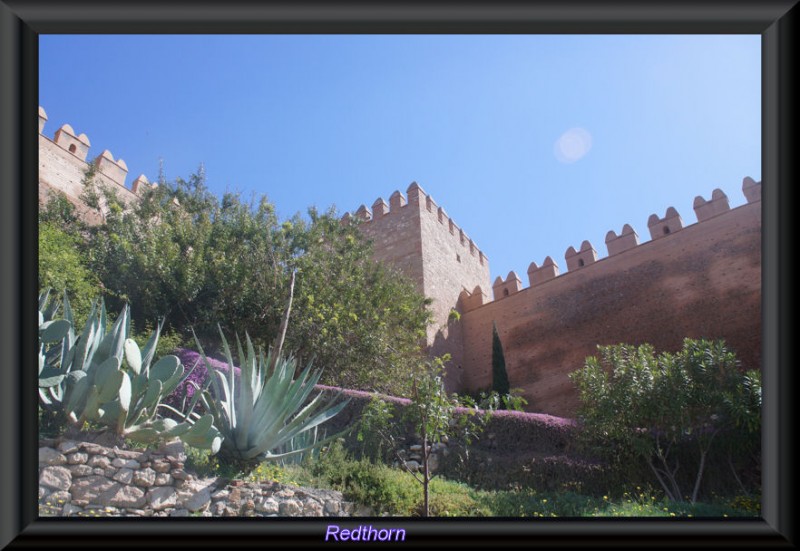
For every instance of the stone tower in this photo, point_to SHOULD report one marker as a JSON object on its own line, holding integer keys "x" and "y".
{"x": 416, "y": 236}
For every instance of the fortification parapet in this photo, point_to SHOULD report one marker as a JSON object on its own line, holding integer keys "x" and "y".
{"x": 63, "y": 167}
{"x": 363, "y": 214}
{"x": 751, "y": 189}
{"x": 140, "y": 184}
{"x": 579, "y": 259}
{"x": 616, "y": 244}
{"x": 397, "y": 200}
{"x": 77, "y": 145}
{"x": 379, "y": 207}
{"x": 42, "y": 119}
{"x": 511, "y": 285}
{"x": 469, "y": 301}
{"x": 115, "y": 170}
{"x": 659, "y": 227}
{"x": 708, "y": 209}
{"x": 539, "y": 274}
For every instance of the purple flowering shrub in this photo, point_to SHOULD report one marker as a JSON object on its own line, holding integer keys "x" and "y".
{"x": 182, "y": 395}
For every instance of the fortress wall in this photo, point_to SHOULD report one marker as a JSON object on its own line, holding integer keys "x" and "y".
{"x": 395, "y": 234}
{"x": 63, "y": 162}
{"x": 703, "y": 280}
{"x": 416, "y": 236}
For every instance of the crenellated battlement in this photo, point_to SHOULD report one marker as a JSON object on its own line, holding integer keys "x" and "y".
{"x": 626, "y": 241}
{"x": 74, "y": 151}
{"x": 417, "y": 201}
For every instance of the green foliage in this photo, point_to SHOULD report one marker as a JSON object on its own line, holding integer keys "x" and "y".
{"x": 61, "y": 267}
{"x": 265, "y": 407}
{"x": 635, "y": 404}
{"x": 431, "y": 415}
{"x": 500, "y": 382}
{"x": 210, "y": 261}
{"x": 491, "y": 400}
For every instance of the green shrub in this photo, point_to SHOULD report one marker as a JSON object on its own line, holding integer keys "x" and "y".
{"x": 669, "y": 410}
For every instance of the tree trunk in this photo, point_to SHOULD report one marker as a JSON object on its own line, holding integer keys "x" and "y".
{"x": 425, "y": 476}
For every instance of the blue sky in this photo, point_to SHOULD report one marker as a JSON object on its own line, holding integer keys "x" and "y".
{"x": 530, "y": 143}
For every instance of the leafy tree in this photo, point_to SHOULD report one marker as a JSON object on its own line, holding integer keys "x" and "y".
{"x": 200, "y": 260}
{"x": 638, "y": 404}
{"x": 499, "y": 376}
{"x": 61, "y": 268}
{"x": 432, "y": 414}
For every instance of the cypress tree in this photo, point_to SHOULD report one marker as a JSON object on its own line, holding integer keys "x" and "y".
{"x": 499, "y": 376}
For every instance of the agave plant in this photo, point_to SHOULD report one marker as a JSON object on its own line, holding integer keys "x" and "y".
{"x": 265, "y": 408}
{"x": 108, "y": 380}
{"x": 56, "y": 341}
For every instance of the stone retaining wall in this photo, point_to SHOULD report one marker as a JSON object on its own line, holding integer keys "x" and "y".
{"x": 88, "y": 479}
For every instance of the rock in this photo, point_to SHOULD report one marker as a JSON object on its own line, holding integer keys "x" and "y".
{"x": 49, "y": 456}
{"x": 312, "y": 508}
{"x": 124, "y": 475}
{"x": 145, "y": 477}
{"x": 268, "y": 506}
{"x": 57, "y": 478}
{"x": 68, "y": 446}
{"x": 433, "y": 462}
{"x": 161, "y": 466}
{"x": 109, "y": 472}
{"x": 77, "y": 458}
{"x": 285, "y": 493}
{"x": 173, "y": 449}
{"x": 179, "y": 513}
{"x": 126, "y": 463}
{"x": 332, "y": 507}
{"x": 415, "y": 448}
{"x": 412, "y": 466}
{"x": 347, "y": 507}
{"x": 199, "y": 501}
{"x": 99, "y": 461}
{"x": 43, "y": 491}
{"x": 163, "y": 479}
{"x": 444, "y": 439}
{"x": 438, "y": 446}
{"x": 95, "y": 449}
{"x": 180, "y": 474}
{"x": 161, "y": 497}
{"x": 130, "y": 454}
{"x": 94, "y": 489}
{"x": 221, "y": 494}
{"x": 71, "y": 510}
{"x": 80, "y": 470}
{"x": 128, "y": 496}
{"x": 218, "y": 508}
{"x": 290, "y": 508}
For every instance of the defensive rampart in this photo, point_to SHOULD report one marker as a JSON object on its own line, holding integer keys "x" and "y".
{"x": 702, "y": 280}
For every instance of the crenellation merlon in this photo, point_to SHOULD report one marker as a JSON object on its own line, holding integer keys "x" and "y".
{"x": 469, "y": 301}
{"x": 77, "y": 145}
{"x": 659, "y": 227}
{"x": 539, "y": 274}
{"x": 42, "y": 119}
{"x": 396, "y": 201}
{"x": 379, "y": 207}
{"x": 363, "y": 214}
{"x": 616, "y": 244}
{"x": 708, "y": 209}
{"x": 579, "y": 259}
{"x": 751, "y": 189}
{"x": 116, "y": 170}
{"x": 511, "y": 285}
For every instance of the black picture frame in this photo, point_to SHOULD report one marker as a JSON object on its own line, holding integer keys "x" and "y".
{"x": 22, "y": 21}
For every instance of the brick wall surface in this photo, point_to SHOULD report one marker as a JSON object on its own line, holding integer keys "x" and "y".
{"x": 701, "y": 281}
